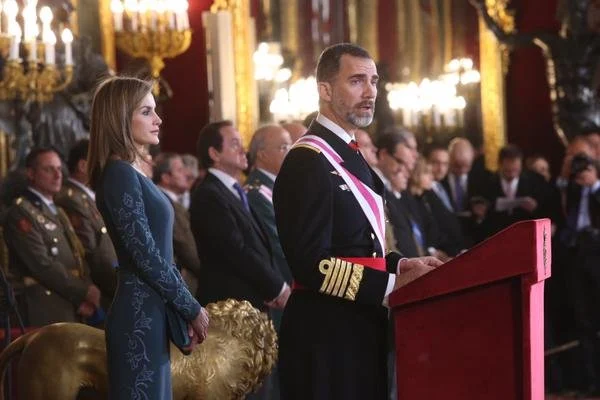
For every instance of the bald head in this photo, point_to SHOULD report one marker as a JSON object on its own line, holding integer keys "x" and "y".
{"x": 461, "y": 156}
{"x": 269, "y": 146}
{"x": 295, "y": 129}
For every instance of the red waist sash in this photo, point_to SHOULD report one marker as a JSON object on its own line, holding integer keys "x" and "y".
{"x": 377, "y": 263}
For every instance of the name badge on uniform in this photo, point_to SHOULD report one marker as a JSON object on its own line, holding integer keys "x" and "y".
{"x": 54, "y": 250}
{"x": 50, "y": 226}
{"x": 344, "y": 187}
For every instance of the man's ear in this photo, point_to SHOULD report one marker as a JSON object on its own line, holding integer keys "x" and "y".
{"x": 213, "y": 154}
{"x": 325, "y": 90}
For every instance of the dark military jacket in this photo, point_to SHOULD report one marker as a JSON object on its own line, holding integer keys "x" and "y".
{"x": 46, "y": 265}
{"x": 91, "y": 231}
{"x": 260, "y": 198}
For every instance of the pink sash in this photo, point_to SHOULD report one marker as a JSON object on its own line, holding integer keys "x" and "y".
{"x": 266, "y": 192}
{"x": 370, "y": 202}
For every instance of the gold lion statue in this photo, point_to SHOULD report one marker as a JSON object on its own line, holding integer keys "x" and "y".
{"x": 58, "y": 360}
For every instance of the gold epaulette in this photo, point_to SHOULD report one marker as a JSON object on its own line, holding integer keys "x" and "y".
{"x": 342, "y": 278}
{"x": 30, "y": 210}
{"x": 307, "y": 146}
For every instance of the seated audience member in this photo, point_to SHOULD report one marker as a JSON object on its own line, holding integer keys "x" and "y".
{"x": 465, "y": 188}
{"x": 366, "y": 147}
{"x": 295, "y": 129}
{"x": 439, "y": 159}
{"x": 170, "y": 176}
{"x": 79, "y": 202}
{"x": 442, "y": 228}
{"x": 514, "y": 195}
{"x": 47, "y": 261}
{"x": 193, "y": 176}
{"x": 394, "y": 172}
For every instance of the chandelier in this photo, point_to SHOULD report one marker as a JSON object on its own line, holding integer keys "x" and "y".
{"x": 30, "y": 71}
{"x": 436, "y": 103}
{"x": 296, "y": 102}
{"x": 153, "y": 30}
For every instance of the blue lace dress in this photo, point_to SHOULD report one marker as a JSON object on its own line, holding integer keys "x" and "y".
{"x": 139, "y": 219}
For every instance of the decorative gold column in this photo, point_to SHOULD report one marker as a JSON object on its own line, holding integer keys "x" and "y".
{"x": 493, "y": 107}
{"x": 417, "y": 41}
{"x": 245, "y": 85}
{"x": 447, "y": 21}
{"x": 363, "y": 23}
{"x": 290, "y": 35}
{"x": 4, "y": 153}
{"x": 109, "y": 49}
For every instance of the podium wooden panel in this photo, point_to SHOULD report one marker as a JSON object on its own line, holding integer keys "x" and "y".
{"x": 474, "y": 328}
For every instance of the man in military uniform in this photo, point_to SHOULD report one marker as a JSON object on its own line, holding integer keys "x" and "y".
{"x": 268, "y": 148}
{"x": 79, "y": 202}
{"x": 170, "y": 176}
{"x": 330, "y": 218}
{"x": 47, "y": 266}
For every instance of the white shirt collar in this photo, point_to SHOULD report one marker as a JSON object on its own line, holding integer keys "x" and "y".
{"x": 83, "y": 187}
{"x": 510, "y": 187}
{"x": 335, "y": 128}
{"x": 170, "y": 194}
{"x": 385, "y": 180}
{"x": 225, "y": 179}
{"x": 47, "y": 202}
{"x": 269, "y": 174}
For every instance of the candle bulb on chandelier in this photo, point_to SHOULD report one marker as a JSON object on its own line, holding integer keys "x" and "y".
{"x": 49, "y": 42}
{"x": 117, "y": 10}
{"x": 184, "y": 16}
{"x": 131, "y": 10}
{"x": 15, "y": 42}
{"x": 67, "y": 38}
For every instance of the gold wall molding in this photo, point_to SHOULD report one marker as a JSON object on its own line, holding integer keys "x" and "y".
{"x": 494, "y": 64}
{"x": 363, "y": 24}
{"x": 417, "y": 41}
{"x": 290, "y": 35}
{"x": 243, "y": 47}
{"x": 447, "y": 21}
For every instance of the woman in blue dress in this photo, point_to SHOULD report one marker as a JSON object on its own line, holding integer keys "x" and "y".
{"x": 139, "y": 219}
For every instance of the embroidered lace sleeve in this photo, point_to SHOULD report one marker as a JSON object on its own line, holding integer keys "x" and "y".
{"x": 125, "y": 205}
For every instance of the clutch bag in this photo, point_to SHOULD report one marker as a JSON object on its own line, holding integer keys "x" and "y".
{"x": 177, "y": 328}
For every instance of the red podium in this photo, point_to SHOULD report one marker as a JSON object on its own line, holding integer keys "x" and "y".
{"x": 474, "y": 328}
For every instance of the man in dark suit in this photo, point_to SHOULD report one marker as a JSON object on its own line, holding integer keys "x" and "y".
{"x": 170, "y": 176}
{"x": 514, "y": 195}
{"x": 79, "y": 202}
{"x": 465, "y": 188}
{"x": 235, "y": 254}
{"x": 333, "y": 342}
{"x": 47, "y": 265}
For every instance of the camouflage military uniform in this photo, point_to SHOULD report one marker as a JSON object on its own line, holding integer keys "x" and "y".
{"x": 89, "y": 226}
{"x": 46, "y": 266}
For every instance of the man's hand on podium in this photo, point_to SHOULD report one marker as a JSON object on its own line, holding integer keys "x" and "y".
{"x": 413, "y": 268}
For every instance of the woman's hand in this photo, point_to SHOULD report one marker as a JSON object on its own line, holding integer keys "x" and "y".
{"x": 198, "y": 329}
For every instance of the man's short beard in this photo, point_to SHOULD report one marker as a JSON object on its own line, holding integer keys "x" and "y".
{"x": 360, "y": 122}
